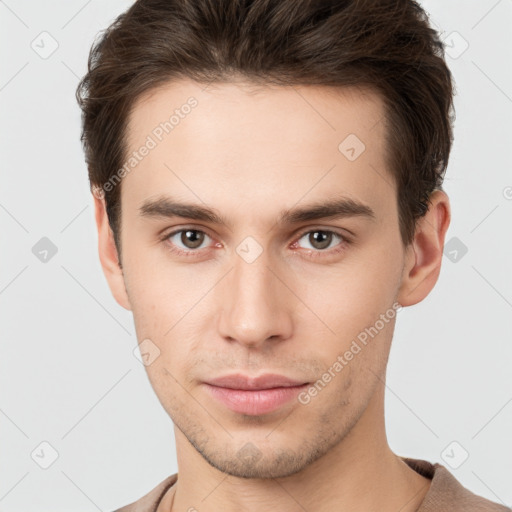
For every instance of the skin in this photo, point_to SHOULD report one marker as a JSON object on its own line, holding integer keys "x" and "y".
{"x": 250, "y": 153}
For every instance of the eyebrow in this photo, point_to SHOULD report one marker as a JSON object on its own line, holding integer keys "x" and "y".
{"x": 167, "y": 207}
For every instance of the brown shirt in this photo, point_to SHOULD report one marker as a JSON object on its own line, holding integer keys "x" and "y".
{"x": 445, "y": 494}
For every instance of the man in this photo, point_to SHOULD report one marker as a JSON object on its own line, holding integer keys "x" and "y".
{"x": 267, "y": 183}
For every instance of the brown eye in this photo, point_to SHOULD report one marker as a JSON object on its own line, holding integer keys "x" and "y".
{"x": 192, "y": 238}
{"x": 187, "y": 238}
{"x": 320, "y": 239}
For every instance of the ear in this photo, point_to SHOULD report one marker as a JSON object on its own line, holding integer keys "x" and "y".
{"x": 108, "y": 254}
{"x": 425, "y": 253}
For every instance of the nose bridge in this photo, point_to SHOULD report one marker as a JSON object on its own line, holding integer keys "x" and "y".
{"x": 254, "y": 302}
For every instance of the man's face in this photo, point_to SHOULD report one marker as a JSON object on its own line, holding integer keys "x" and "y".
{"x": 258, "y": 294}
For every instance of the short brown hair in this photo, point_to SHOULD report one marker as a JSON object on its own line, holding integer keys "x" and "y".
{"x": 385, "y": 44}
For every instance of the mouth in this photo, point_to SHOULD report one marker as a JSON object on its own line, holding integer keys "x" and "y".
{"x": 254, "y": 395}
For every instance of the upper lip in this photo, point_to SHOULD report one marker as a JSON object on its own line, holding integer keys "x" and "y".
{"x": 266, "y": 381}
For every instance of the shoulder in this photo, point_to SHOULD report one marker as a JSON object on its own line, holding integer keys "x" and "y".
{"x": 446, "y": 493}
{"x": 149, "y": 501}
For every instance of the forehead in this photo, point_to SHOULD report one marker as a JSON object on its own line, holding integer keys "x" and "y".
{"x": 238, "y": 144}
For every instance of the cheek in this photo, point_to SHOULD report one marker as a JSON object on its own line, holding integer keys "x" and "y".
{"x": 355, "y": 301}
{"x": 161, "y": 292}
{"x": 352, "y": 296}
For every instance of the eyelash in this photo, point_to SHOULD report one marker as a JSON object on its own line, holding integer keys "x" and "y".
{"x": 311, "y": 252}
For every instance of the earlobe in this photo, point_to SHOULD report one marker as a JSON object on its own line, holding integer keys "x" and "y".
{"x": 424, "y": 255}
{"x": 108, "y": 254}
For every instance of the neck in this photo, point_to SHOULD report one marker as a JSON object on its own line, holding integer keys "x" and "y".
{"x": 359, "y": 474}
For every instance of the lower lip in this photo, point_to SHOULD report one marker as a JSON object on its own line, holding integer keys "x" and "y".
{"x": 255, "y": 402}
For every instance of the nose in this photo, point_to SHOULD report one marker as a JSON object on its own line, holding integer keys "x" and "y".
{"x": 255, "y": 305}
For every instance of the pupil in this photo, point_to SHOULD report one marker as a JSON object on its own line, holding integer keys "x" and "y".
{"x": 192, "y": 238}
{"x": 323, "y": 239}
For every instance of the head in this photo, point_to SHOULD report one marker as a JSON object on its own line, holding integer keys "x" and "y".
{"x": 247, "y": 125}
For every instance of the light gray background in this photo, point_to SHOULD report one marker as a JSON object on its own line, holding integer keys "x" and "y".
{"x": 68, "y": 374}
